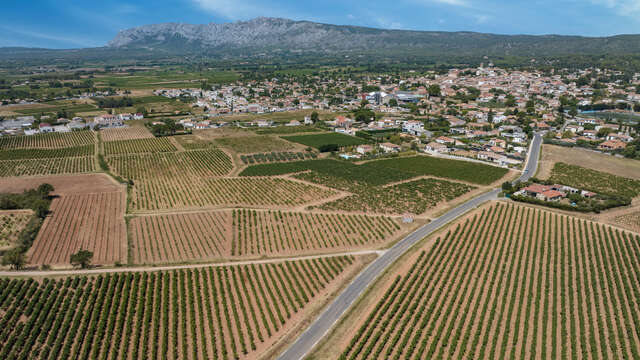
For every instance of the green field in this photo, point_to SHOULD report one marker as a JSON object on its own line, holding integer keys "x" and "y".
{"x": 254, "y": 144}
{"x": 383, "y": 172}
{"x": 164, "y": 79}
{"x": 16, "y": 154}
{"x": 319, "y": 140}
{"x": 288, "y": 130}
{"x": 54, "y": 109}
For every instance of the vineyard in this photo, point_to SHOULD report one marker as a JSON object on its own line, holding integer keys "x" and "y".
{"x": 180, "y": 237}
{"x": 319, "y": 140}
{"x": 509, "y": 282}
{"x": 254, "y": 144}
{"x": 231, "y": 312}
{"x": 221, "y": 234}
{"x": 382, "y": 172}
{"x": 414, "y": 197}
{"x": 31, "y": 167}
{"x": 11, "y": 223}
{"x": 148, "y": 145}
{"x": 184, "y": 192}
{"x": 18, "y": 154}
{"x": 180, "y": 165}
{"x": 276, "y": 157}
{"x": 92, "y": 221}
{"x": 126, "y": 133}
{"x": 593, "y": 180}
{"x": 278, "y": 233}
{"x": 48, "y": 140}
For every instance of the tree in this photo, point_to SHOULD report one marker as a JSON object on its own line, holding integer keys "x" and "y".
{"x": 45, "y": 189}
{"x": 603, "y": 132}
{"x": 82, "y": 258}
{"x": 573, "y": 111}
{"x": 636, "y": 107}
{"x": 315, "y": 117}
{"x": 15, "y": 258}
{"x": 434, "y": 90}
{"x": 393, "y": 102}
{"x": 507, "y": 186}
{"x": 510, "y": 102}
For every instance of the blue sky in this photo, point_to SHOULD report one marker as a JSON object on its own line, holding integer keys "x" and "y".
{"x": 75, "y": 23}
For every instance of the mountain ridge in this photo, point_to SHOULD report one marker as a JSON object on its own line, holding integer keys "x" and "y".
{"x": 285, "y": 34}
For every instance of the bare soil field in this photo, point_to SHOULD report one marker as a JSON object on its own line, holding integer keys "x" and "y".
{"x": 90, "y": 221}
{"x": 63, "y": 184}
{"x": 242, "y": 233}
{"x": 228, "y": 312}
{"x": 125, "y": 133}
{"x": 505, "y": 281}
{"x": 589, "y": 159}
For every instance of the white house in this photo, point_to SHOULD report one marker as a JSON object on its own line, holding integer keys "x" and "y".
{"x": 389, "y": 147}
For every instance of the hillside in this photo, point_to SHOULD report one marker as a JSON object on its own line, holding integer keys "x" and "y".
{"x": 287, "y": 35}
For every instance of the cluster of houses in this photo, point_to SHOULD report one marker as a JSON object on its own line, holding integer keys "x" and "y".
{"x": 552, "y": 192}
{"x": 607, "y": 136}
{"x": 28, "y": 125}
{"x": 505, "y": 146}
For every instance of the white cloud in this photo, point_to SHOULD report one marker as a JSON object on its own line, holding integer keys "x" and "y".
{"x": 78, "y": 41}
{"x": 622, "y": 7}
{"x": 482, "y": 19}
{"x": 453, "y": 2}
{"x": 242, "y": 9}
{"x": 460, "y": 3}
{"x": 388, "y": 24}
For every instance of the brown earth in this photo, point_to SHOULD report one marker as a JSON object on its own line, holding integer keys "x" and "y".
{"x": 589, "y": 159}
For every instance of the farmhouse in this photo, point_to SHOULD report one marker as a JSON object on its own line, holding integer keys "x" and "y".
{"x": 612, "y": 145}
{"x": 389, "y": 147}
{"x": 535, "y": 189}
{"x": 45, "y": 127}
{"x": 551, "y": 195}
{"x": 436, "y": 147}
{"x": 107, "y": 121}
{"x": 364, "y": 149}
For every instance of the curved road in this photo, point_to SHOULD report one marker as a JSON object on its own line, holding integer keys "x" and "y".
{"x": 343, "y": 302}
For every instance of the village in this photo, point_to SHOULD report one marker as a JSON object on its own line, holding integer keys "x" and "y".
{"x": 483, "y": 114}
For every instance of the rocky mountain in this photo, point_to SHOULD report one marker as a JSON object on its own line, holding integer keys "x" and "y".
{"x": 305, "y": 36}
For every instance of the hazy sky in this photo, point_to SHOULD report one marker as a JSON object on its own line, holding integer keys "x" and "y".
{"x": 75, "y": 23}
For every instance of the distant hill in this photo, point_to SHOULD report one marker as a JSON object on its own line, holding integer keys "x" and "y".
{"x": 276, "y": 34}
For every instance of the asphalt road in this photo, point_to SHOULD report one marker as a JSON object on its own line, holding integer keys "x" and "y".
{"x": 314, "y": 333}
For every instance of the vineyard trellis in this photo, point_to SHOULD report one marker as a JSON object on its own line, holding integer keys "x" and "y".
{"x": 193, "y": 192}
{"x": 125, "y": 133}
{"x": 55, "y": 166}
{"x": 511, "y": 282}
{"x": 144, "y": 145}
{"x": 203, "y": 313}
{"x": 48, "y": 140}
{"x": 237, "y": 233}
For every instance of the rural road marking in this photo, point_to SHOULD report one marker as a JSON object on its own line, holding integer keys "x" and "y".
{"x": 325, "y": 322}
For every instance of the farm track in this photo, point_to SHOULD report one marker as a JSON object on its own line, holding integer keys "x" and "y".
{"x": 133, "y": 269}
